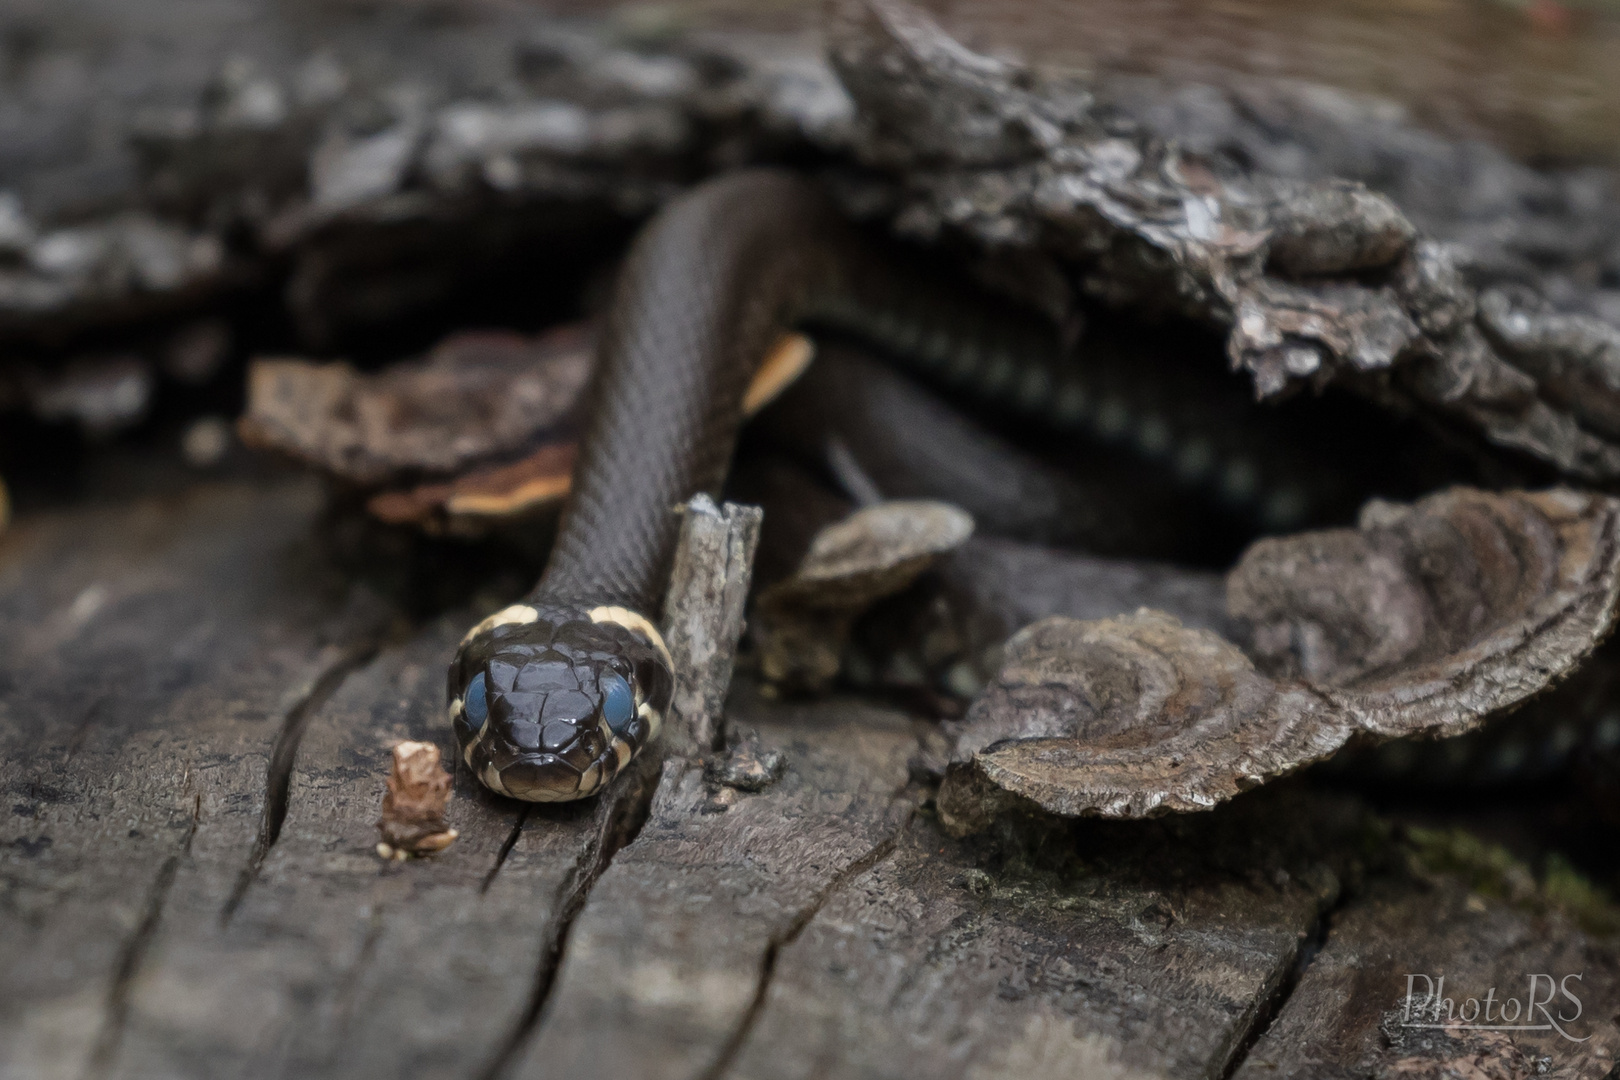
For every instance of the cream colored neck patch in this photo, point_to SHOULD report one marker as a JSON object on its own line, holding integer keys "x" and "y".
{"x": 517, "y": 613}
{"x": 785, "y": 362}
{"x": 636, "y": 622}
{"x": 654, "y": 719}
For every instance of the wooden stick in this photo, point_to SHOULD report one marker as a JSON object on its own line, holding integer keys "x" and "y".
{"x": 703, "y": 616}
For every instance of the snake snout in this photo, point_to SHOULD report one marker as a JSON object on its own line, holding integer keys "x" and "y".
{"x": 550, "y": 710}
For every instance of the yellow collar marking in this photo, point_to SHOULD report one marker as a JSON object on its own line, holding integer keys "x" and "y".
{"x": 636, "y": 622}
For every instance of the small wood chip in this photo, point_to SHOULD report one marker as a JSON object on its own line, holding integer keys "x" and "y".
{"x": 412, "y": 822}
{"x": 748, "y": 767}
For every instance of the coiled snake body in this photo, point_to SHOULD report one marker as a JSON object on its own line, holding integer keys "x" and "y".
{"x": 553, "y": 696}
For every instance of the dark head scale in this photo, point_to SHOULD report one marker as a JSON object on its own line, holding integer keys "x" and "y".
{"x": 549, "y": 703}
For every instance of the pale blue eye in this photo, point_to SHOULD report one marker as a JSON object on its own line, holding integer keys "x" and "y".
{"x": 475, "y": 702}
{"x": 618, "y": 704}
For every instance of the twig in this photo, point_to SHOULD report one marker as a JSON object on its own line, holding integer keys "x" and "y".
{"x": 703, "y": 616}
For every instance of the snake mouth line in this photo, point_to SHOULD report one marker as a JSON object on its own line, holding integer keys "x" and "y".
{"x": 548, "y": 777}
{"x": 544, "y": 777}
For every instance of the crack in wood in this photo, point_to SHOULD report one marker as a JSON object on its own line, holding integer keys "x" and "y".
{"x": 1310, "y": 946}
{"x": 116, "y": 1012}
{"x": 622, "y": 821}
{"x": 347, "y": 992}
{"x": 767, "y": 968}
{"x": 284, "y": 754}
{"x": 506, "y": 848}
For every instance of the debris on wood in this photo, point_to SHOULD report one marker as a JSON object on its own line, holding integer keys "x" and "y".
{"x": 803, "y": 622}
{"x": 1425, "y": 618}
{"x": 746, "y": 766}
{"x": 412, "y": 822}
{"x": 474, "y": 398}
{"x": 703, "y": 615}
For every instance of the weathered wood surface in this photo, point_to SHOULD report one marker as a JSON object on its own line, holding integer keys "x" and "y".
{"x": 152, "y": 653}
{"x": 1342, "y": 1021}
{"x": 1149, "y": 948}
{"x": 196, "y": 713}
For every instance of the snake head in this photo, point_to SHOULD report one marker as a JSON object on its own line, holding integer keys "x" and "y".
{"x": 549, "y": 704}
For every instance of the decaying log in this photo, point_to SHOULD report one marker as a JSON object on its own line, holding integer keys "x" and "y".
{"x": 954, "y": 959}
{"x": 158, "y": 656}
{"x": 1313, "y": 282}
{"x": 667, "y": 962}
{"x": 779, "y": 908}
{"x": 388, "y": 153}
{"x": 391, "y": 181}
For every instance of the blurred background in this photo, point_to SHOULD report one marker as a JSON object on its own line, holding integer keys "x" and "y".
{"x": 186, "y": 184}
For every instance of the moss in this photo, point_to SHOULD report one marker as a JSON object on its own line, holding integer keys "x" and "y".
{"x": 1488, "y": 869}
{"x": 1589, "y": 905}
{"x": 1491, "y": 870}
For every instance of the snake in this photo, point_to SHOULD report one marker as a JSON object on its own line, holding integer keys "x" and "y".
{"x": 553, "y": 696}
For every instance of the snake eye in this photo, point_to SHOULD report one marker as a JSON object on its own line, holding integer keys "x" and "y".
{"x": 618, "y": 704}
{"x": 475, "y": 702}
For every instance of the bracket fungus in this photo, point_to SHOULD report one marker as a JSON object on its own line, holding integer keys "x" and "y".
{"x": 802, "y": 623}
{"x": 1425, "y": 619}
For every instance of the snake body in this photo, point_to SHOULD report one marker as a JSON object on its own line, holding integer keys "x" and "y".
{"x": 552, "y": 697}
